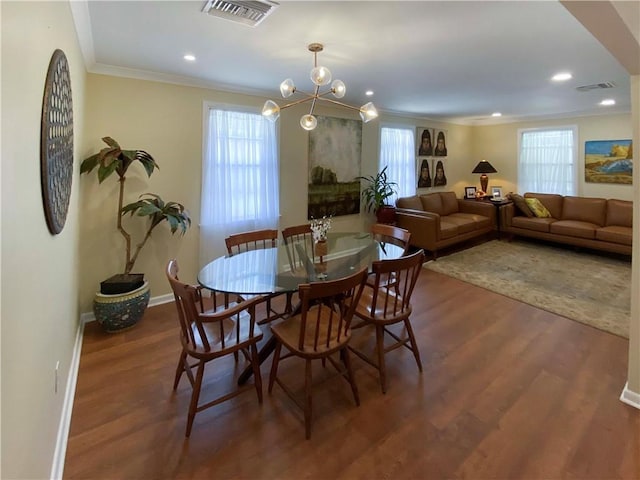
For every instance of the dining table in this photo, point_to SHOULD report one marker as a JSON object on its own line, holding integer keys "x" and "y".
{"x": 282, "y": 269}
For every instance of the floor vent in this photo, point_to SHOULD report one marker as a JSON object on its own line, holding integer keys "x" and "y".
{"x": 595, "y": 86}
{"x": 245, "y": 12}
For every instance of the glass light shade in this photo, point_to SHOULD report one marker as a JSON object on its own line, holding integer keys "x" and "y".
{"x": 368, "y": 112}
{"x": 320, "y": 75}
{"x": 308, "y": 122}
{"x": 338, "y": 88}
{"x": 271, "y": 110}
{"x": 287, "y": 88}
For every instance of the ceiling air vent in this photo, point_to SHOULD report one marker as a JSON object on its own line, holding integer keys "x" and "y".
{"x": 595, "y": 86}
{"x": 245, "y": 12}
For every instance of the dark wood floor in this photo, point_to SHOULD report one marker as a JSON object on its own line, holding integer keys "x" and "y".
{"x": 508, "y": 392}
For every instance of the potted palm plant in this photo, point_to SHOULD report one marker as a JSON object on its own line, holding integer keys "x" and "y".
{"x": 124, "y": 297}
{"x": 376, "y": 193}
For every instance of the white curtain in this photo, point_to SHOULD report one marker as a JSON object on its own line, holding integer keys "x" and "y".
{"x": 240, "y": 189}
{"x": 547, "y": 162}
{"x": 397, "y": 154}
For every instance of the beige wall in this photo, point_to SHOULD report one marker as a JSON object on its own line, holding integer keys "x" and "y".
{"x": 499, "y": 145}
{"x": 39, "y": 271}
{"x": 167, "y": 121}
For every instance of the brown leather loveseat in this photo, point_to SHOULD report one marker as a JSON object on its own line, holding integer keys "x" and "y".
{"x": 438, "y": 220}
{"x": 595, "y": 223}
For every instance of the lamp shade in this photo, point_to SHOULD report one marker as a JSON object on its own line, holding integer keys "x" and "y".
{"x": 484, "y": 167}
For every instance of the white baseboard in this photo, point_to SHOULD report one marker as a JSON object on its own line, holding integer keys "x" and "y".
{"x": 90, "y": 317}
{"x": 629, "y": 397}
{"x": 60, "y": 452}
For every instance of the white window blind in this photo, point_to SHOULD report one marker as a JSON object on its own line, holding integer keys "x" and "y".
{"x": 548, "y": 161}
{"x": 397, "y": 154}
{"x": 240, "y": 189}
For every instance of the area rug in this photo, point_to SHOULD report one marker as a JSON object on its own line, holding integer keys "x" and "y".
{"x": 586, "y": 287}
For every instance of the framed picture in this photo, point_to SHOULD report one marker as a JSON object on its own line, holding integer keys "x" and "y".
{"x": 425, "y": 141}
{"x": 439, "y": 175}
{"x": 424, "y": 174}
{"x": 608, "y": 161}
{"x": 440, "y": 143}
{"x": 469, "y": 192}
{"x": 496, "y": 192}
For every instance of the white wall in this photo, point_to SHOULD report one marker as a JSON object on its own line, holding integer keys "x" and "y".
{"x": 39, "y": 270}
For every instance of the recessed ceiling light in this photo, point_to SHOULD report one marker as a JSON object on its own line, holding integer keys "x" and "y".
{"x": 561, "y": 77}
{"x": 496, "y": 114}
{"x": 608, "y": 101}
{"x": 368, "y": 93}
{"x": 190, "y": 58}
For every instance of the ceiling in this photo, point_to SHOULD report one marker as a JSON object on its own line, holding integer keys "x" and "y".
{"x": 455, "y": 61}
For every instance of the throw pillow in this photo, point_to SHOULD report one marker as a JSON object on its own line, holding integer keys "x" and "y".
{"x": 538, "y": 209}
{"x": 518, "y": 201}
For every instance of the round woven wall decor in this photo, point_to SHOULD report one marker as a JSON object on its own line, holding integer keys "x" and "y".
{"x": 56, "y": 143}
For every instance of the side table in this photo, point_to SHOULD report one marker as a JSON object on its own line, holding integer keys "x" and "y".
{"x": 498, "y": 205}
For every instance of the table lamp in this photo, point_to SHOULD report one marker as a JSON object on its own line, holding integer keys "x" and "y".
{"x": 484, "y": 167}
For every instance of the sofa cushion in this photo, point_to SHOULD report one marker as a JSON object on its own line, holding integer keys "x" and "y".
{"x": 552, "y": 202}
{"x": 583, "y": 209}
{"x": 574, "y": 228}
{"x": 534, "y": 223}
{"x": 615, "y": 234}
{"x": 538, "y": 209}
{"x": 478, "y": 221}
{"x": 449, "y": 203}
{"x": 431, "y": 202}
{"x": 619, "y": 212}
{"x": 465, "y": 225}
{"x": 448, "y": 229}
{"x": 521, "y": 205}
{"x": 412, "y": 203}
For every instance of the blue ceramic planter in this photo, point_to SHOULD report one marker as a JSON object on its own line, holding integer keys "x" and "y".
{"x": 121, "y": 311}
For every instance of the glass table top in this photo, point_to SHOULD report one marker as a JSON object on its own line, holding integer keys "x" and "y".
{"x": 270, "y": 270}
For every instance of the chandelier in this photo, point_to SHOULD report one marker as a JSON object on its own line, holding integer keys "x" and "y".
{"x": 320, "y": 76}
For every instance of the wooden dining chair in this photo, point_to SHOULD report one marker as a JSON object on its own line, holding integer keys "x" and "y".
{"x": 208, "y": 335}
{"x": 391, "y": 234}
{"x": 384, "y": 234}
{"x": 255, "y": 240}
{"x": 298, "y": 235}
{"x": 387, "y": 303}
{"x": 298, "y": 241}
{"x": 321, "y": 329}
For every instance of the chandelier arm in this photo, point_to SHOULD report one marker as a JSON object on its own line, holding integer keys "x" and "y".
{"x": 297, "y": 102}
{"x": 331, "y": 100}
{"x": 315, "y": 98}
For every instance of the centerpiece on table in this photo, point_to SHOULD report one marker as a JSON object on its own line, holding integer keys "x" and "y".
{"x": 319, "y": 229}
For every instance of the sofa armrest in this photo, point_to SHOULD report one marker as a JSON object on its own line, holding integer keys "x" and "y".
{"x": 424, "y": 227}
{"x": 507, "y": 212}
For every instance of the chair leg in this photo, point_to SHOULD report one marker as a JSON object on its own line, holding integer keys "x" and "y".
{"x": 380, "y": 350}
{"x": 307, "y": 399}
{"x": 180, "y": 368}
{"x": 414, "y": 346}
{"x": 346, "y": 358}
{"x": 195, "y": 395}
{"x": 274, "y": 366}
{"x": 257, "y": 378}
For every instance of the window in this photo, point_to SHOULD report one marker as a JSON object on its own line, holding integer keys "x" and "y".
{"x": 548, "y": 160}
{"x": 239, "y": 177}
{"x": 397, "y": 154}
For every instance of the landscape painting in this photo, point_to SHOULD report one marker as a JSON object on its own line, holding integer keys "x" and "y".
{"x": 608, "y": 161}
{"x": 335, "y": 147}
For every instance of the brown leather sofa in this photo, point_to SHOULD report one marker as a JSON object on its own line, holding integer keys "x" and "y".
{"x": 438, "y": 220}
{"x": 595, "y": 223}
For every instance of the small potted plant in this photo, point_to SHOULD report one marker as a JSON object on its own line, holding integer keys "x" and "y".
{"x": 124, "y": 297}
{"x": 376, "y": 193}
